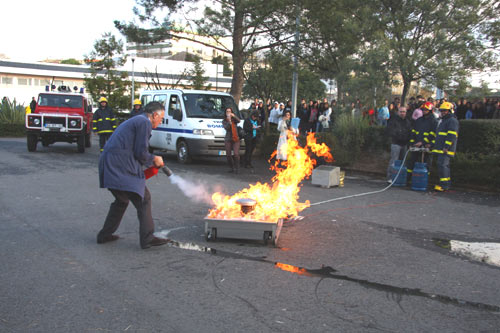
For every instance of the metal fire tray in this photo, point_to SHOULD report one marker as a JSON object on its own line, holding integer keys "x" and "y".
{"x": 243, "y": 229}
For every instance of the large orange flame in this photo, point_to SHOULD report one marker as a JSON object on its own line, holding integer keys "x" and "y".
{"x": 280, "y": 198}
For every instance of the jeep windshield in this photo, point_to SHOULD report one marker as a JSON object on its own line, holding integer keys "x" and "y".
{"x": 61, "y": 101}
{"x": 209, "y": 106}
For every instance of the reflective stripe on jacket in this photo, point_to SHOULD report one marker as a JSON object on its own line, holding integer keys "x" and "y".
{"x": 447, "y": 135}
{"x": 424, "y": 130}
{"x": 104, "y": 121}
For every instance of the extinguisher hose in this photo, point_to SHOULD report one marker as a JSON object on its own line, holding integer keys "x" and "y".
{"x": 367, "y": 193}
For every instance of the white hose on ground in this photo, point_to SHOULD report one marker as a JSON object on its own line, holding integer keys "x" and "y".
{"x": 367, "y": 193}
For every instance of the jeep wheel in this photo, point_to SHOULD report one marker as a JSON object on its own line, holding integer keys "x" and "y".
{"x": 81, "y": 143}
{"x": 183, "y": 155}
{"x": 32, "y": 140}
{"x": 88, "y": 140}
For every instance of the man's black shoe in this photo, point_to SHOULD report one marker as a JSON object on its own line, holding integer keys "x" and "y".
{"x": 106, "y": 239}
{"x": 155, "y": 242}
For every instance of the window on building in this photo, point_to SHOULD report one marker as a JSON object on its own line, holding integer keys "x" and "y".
{"x": 6, "y": 80}
{"x": 23, "y": 81}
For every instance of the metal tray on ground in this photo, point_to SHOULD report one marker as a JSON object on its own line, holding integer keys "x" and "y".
{"x": 243, "y": 229}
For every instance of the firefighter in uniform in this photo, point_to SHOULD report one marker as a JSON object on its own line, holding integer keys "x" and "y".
{"x": 104, "y": 122}
{"x": 446, "y": 145}
{"x": 423, "y": 135}
{"x": 137, "y": 108}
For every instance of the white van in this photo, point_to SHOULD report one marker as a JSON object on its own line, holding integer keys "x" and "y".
{"x": 193, "y": 122}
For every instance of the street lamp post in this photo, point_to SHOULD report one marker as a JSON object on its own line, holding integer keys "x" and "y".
{"x": 133, "y": 79}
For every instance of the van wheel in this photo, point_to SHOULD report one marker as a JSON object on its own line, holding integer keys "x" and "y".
{"x": 32, "y": 140}
{"x": 81, "y": 143}
{"x": 88, "y": 141}
{"x": 183, "y": 155}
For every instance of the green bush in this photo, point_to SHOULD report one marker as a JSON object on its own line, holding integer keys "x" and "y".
{"x": 11, "y": 112}
{"x": 12, "y": 130}
{"x": 476, "y": 170}
{"x": 479, "y": 136}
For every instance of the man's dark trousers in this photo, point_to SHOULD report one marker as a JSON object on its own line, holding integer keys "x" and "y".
{"x": 117, "y": 209}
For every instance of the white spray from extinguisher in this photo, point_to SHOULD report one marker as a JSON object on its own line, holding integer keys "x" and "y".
{"x": 195, "y": 192}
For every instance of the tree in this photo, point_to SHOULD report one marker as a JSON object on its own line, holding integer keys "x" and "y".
{"x": 427, "y": 38}
{"x": 104, "y": 80}
{"x": 333, "y": 42}
{"x": 198, "y": 80}
{"x": 71, "y": 61}
{"x": 273, "y": 81}
{"x": 247, "y": 22}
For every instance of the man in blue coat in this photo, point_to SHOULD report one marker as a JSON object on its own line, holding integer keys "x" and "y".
{"x": 121, "y": 172}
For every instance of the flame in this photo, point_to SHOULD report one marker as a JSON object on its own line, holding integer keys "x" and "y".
{"x": 280, "y": 198}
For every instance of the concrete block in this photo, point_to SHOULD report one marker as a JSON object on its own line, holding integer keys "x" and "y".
{"x": 326, "y": 176}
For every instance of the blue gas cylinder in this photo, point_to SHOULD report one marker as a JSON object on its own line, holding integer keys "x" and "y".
{"x": 420, "y": 177}
{"x": 401, "y": 179}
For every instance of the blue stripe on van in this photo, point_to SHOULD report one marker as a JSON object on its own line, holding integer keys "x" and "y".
{"x": 174, "y": 130}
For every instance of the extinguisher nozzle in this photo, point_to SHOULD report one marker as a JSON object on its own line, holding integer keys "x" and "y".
{"x": 167, "y": 171}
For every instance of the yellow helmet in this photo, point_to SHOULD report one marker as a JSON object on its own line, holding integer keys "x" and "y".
{"x": 446, "y": 106}
{"x": 137, "y": 102}
{"x": 103, "y": 99}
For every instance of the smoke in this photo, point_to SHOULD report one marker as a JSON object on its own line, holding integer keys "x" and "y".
{"x": 195, "y": 192}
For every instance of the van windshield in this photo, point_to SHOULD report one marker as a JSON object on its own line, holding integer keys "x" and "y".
{"x": 62, "y": 101}
{"x": 209, "y": 106}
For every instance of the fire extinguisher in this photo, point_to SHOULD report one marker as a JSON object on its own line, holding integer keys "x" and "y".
{"x": 153, "y": 171}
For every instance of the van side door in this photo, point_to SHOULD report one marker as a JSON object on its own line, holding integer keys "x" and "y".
{"x": 174, "y": 122}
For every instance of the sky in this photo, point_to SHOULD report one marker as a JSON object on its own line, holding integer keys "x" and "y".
{"x": 35, "y": 30}
{"x": 54, "y": 29}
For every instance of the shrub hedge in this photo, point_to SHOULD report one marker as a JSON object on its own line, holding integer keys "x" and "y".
{"x": 479, "y": 136}
{"x": 476, "y": 164}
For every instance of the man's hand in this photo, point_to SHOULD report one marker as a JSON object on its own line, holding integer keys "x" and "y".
{"x": 158, "y": 161}
{"x": 418, "y": 144}
{"x": 445, "y": 150}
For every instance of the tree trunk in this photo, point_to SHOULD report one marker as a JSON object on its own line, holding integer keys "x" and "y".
{"x": 238, "y": 56}
{"x": 406, "y": 88}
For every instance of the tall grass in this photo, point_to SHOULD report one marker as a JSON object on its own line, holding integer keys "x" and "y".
{"x": 11, "y": 113}
{"x": 349, "y": 133}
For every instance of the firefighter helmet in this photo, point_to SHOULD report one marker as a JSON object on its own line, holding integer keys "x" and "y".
{"x": 103, "y": 99}
{"x": 446, "y": 106}
{"x": 427, "y": 106}
{"x": 137, "y": 102}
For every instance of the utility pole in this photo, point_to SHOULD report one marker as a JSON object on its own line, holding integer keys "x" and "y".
{"x": 133, "y": 79}
{"x": 295, "y": 76}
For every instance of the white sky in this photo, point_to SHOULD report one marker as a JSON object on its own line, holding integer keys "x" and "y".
{"x": 34, "y": 30}
{"x": 56, "y": 29}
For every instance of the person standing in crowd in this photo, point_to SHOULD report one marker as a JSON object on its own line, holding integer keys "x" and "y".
{"x": 468, "y": 111}
{"x": 302, "y": 114}
{"x": 399, "y": 129}
{"x": 104, "y": 122}
{"x": 262, "y": 113}
{"x": 250, "y": 127}
{"x": 232, "y": 140}
{"x": 383, "y": 114}
{"x": 313, "y": 116}
{"x": 324, "y": 119}
{"x": 288, "y": 106}
{"x": 32, "y": 104}
{"x": 461, "y": 108}
{"x": 283, "y": 127}
{"x": 274, "y": 116}
{"x": 446, "y": 145}
{"x": 137, "y": 108}
{"x": 418, "y": 112}
{"x": 423, "y": 135}
{"x": 121, "y": 172}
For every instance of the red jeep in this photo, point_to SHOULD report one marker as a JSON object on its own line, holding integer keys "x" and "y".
{"x": 60, "y": 116}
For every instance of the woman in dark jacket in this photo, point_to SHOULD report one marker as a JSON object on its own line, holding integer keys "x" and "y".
{"x": 250, "y": 127}
{"x": 232, "y": 140}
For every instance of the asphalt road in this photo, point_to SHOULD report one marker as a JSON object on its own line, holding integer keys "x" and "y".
{"x": 365, "y": 264}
